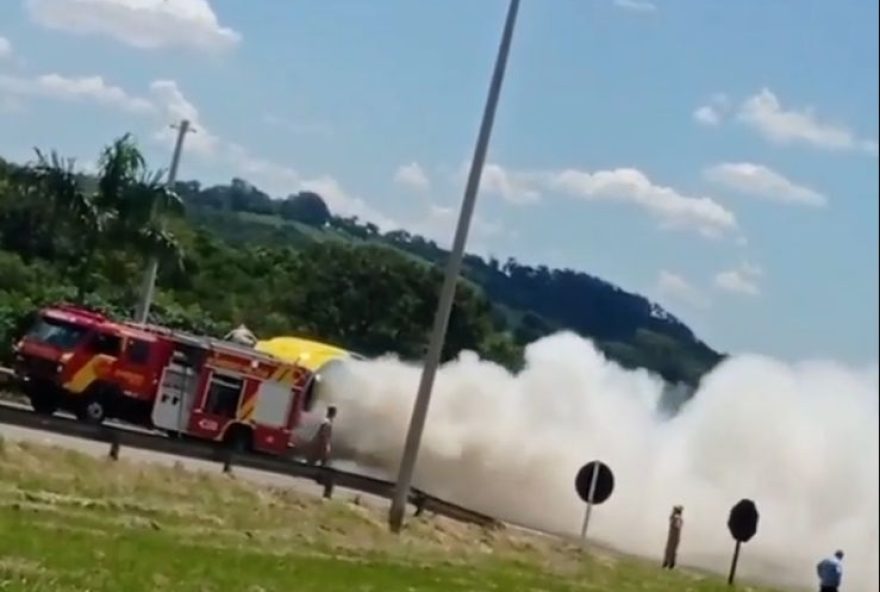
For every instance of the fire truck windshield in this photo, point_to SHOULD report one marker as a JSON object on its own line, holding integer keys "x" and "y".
{"x": 56, "y": 333}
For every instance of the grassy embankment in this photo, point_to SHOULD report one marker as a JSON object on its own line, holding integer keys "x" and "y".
{"x": 72, "y": 522}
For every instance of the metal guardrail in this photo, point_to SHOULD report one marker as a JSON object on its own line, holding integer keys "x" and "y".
{"x": 7, "y": 380}
{"x": 328, "y": 477}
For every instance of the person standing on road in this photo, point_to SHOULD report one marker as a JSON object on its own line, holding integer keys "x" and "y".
{"x": 321, "y": 444}
{"x": 830, "y": 572}
{"x": 673, "y": 538}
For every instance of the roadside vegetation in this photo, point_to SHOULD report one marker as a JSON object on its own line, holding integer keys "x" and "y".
{"x": 71, "y": 522}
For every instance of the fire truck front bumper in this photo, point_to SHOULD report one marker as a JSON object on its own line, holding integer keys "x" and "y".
{"x": 32, "y": 369}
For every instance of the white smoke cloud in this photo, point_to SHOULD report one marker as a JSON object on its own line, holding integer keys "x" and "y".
{"x": 800, "y": 440}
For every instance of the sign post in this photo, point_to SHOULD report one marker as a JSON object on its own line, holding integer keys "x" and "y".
{"x": 591, "y": 495}
{"x": 733, "y": 563}
{"x": 594, "y": 484}
{"x": 450, "y": 281}
{"x": 742, "y": 524}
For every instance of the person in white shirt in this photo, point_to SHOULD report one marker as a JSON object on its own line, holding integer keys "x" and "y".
{"x": 242, "y": 336}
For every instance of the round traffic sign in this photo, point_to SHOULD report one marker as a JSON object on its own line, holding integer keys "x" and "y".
{"x": 743, "y": 520}
{"x": 604, "y": 482}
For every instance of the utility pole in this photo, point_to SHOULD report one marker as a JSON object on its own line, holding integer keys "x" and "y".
{"x": 447, "y": 292}
{"x": 149, "y": 281}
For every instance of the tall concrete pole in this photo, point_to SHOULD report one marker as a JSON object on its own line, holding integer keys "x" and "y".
{"x": 447, "y": 293}
{"x": 149, "y": 282}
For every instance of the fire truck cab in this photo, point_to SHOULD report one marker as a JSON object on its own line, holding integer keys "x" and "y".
{"x": 155, "y": 377}
{"x": 81, "y": 361}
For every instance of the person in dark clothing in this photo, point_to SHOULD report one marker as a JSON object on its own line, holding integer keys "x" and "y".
{"x": 320, "y": 452}
{"x": 673, "y": 538}
{"x": 830, "y": 572}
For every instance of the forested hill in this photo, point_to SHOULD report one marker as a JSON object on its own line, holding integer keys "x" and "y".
{"x": 231, "y": 254}
{"x": 530, "y": 301}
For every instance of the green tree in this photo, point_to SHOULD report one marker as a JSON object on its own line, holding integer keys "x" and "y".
{"x": 306, "y": 207}
{"x": 56, "y": 179}
{"x": 121, "y": 209}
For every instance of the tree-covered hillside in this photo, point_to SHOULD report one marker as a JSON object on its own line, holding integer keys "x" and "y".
{"x": 528, "y": 301}
{"x": 232, "y": 254}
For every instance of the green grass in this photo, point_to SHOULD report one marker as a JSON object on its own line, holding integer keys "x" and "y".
{"x": 71, "y": 522}
{"x": 275, "y": 221}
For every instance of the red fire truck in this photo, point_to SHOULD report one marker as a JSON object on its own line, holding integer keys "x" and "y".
{"x": 80, "y": 360}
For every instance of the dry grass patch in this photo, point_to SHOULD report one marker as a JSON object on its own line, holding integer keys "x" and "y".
{"x": 72, "y": 522}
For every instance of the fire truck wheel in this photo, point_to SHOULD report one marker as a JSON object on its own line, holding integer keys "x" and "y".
{"x": 43, "y": 404}
{"x": 92, "y": 410}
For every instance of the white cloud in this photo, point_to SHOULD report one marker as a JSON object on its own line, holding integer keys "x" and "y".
{"x": 707, "y": 115}
{"x": 172, "y": 102}
{"x": 271, "y": 176}
{"x": 714, "y": 111}
{"x": 515, "y": 187}
{"x": 5, "y": 48}
{"x": 166, "y": 105}
{"x": 636, "y": 5}
{"x": 342, "y": 203}
{"x": 173, "y": 106}
{"x": 280, "y": 179}
{"x": 672, "y": 286}
{"x": 412, "y": 176}
{"x": 145, "y": 24}
{"x": 674, "y": 210}
{"x": 764, "y": 113}
{"x": 84, "y": 88}
{"x": 741, "y": 280}
{"x": 761, "y": 181}
{"x": 438, "y": 224}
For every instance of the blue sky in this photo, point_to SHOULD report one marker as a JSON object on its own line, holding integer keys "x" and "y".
{"x": 719, "y": 157}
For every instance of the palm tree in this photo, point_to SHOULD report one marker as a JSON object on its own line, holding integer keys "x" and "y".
{"x": 119, "y": 165}
{"x": 57, "y": 179}
{"x": 139, "y": 200}
{"x": 150, "y": 202}
{"x": 123, "y": 209}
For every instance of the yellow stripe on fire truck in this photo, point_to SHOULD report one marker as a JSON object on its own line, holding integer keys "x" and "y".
{"x": 287, "y": 375}
{"x": 95, "y": 368}
{"x": 277, "y": 373}
{"x": 294, "y": 377}
{"x": 249, "y": 401}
